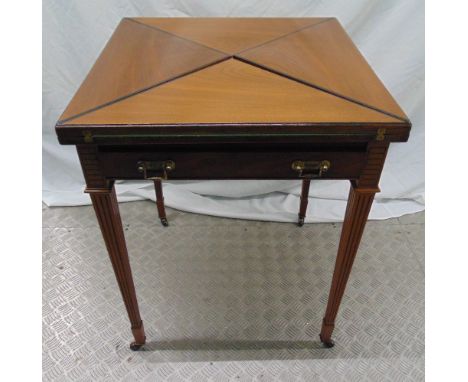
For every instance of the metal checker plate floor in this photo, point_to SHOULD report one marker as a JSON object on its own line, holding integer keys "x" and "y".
{"x": 226, "y": 299}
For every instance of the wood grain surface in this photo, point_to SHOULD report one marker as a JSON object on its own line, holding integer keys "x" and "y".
{"x": 231, "y": 34}
{"x": 325, "y": 56}
{"x": 136, "y": 57}
{"x": 232, "y": 92}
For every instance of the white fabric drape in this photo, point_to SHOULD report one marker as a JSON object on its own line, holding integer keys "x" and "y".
{"x": 390, "y": 34}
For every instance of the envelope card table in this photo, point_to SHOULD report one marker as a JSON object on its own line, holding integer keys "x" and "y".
{"x": 231, "y": 98}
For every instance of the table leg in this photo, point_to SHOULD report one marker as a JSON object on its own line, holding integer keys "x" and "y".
{"x": 304, "y": 201}
{"x": 357, "y": 211}
{"x": 160, "y": 202}
{"x": 107, "y": 212}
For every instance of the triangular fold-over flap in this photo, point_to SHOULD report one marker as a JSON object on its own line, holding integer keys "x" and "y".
{"x": 232, "y": 92}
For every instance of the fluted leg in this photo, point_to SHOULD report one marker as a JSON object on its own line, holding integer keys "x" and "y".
{"x": 160, "y": 202}
{"x": 357, "y": 211}
{"x": 107, "y": 212}
{"x": 304, "y": 201}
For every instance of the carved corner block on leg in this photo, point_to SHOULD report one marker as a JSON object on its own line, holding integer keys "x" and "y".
{"x": 160, "y": 202}
{"x": 304, "y": 202}
{"x": 357, "y": 211}
{"x": 107, "y": 212}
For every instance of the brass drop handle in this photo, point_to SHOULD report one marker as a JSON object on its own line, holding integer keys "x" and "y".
{"x": 155, "y": 169}
{"x": 311, "y": 169}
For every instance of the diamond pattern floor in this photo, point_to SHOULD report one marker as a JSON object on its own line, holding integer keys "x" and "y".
{"x": 227, "y": 299}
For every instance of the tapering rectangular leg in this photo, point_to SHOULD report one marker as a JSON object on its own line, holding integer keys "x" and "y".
{"x": 107, "y": 212}
{"x": 160, "y": 202}
{"x": 304, "y": 201}
{"x": 357, "y": 211}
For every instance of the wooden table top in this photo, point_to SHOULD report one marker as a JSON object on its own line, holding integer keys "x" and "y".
{"x": 231, "y": 75}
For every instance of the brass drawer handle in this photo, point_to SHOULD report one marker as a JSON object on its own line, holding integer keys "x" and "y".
{"x": 311, "y": 169}
{"x": 155, "y": 169}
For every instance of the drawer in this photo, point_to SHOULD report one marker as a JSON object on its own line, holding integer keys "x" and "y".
{"x": 212, "y": 164}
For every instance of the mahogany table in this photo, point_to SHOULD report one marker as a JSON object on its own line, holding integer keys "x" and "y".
{"x": 231, "y": 98}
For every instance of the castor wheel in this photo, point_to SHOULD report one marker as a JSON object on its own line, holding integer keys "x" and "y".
{"x": 328, "y": 344}
{"x": 134, "y": 346}
{"x": 164, "y": 222}
{"x": 300, "y": 222}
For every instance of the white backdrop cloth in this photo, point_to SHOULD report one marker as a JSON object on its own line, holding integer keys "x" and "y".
{"x": 390, "y": 34}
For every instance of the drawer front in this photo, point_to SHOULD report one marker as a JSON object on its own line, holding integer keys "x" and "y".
{"x": 231, "y": 165}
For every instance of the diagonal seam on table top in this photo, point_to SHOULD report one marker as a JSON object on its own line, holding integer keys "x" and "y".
{"x": 138, "y": 91}
{"x": 142, "y": 90}
{"x": 284, "y": 35}
{"x": 240, "y": 51}
{"x": 176, "y": 36}
{"x": 310, "y": 84}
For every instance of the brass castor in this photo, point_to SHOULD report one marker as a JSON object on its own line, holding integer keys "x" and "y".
{"x": 328, "y": 344}
{"x": 164, "y": 222}
{"x": 134, "y": 346}
{"x": 300, "y": 222}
